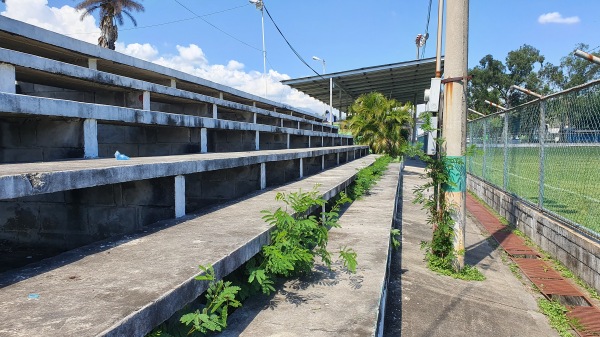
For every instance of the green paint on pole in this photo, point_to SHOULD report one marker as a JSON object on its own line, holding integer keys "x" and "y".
{"x": 457, "y": 172}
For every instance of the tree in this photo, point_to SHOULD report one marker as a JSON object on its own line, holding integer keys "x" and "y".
{"x": 383, "y": 124}
{"x": 111, "y": 14}
{"x": 575, "y": 70}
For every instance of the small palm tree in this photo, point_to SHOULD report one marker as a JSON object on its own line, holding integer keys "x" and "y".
{"x": 383, "y": 124}
{"x": 111, "y": 14}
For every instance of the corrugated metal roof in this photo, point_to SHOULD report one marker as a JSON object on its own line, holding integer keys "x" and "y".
{"x": 404, "y": 81}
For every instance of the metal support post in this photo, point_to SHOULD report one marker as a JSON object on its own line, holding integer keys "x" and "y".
{"x": 505, "y": 161}
{"x": 542, "y": 133}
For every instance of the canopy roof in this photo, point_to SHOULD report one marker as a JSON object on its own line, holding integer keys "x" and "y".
{"x": 404, "y": 81}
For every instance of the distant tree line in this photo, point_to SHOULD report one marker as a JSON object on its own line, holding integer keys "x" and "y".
{"x": 527, "y": 68}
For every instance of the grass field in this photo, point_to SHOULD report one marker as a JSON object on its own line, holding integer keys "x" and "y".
{"x": 571, "y": 184}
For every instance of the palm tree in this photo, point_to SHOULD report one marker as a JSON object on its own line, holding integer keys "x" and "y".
{"x": 383, "y": 124}
{"x": 111, "y": 14}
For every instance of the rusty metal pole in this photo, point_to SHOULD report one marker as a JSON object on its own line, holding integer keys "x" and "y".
{"x": 587, "y": 56}
{"x": 455, "y": 118}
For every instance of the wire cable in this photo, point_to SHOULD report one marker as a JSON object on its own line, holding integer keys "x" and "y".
{"x": 426, "y": 29}
{"x": 164, "y": 23}
{"x": 289, "y": 44}
{"x": 217, "y": 28}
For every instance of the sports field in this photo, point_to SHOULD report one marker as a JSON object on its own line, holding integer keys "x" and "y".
{"x": 571, "y": 184}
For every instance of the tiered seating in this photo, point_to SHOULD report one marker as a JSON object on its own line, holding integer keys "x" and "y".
{"x": 193, "y": 145}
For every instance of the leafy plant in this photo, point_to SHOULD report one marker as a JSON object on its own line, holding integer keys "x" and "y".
{"x": 297, "y": 238}
{"x": 220, "y": 296}
{"x": 367, "y": 177}
{"x": 383, "y": 124}
{"x": 556, "y": 313}
{"x": 394, "y": 235}
{"x": 440, "y": 253}
{"x": 348, "y": 256}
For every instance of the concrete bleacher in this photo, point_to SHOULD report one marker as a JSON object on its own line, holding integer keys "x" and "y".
{"x": 111, "y": 247}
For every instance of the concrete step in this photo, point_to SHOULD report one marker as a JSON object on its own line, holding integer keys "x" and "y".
{"x": 334, "y": 302}
{"x": 16, "y": 105}
{"x": 39, "y": 70}
{"x": 18, "y": 180}
{"x": 126, "y": 286}
{"x": 30, "y": 39}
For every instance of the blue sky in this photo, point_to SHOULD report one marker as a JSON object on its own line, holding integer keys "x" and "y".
{"x": 348, "y": 34}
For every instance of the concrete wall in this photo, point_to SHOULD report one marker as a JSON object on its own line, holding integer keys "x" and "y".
{"x": 298, "y": 142}
{"x": 213, "y": 187}
{"x": 37, "y": 139}
{"x": 231, "y": 140}
{"x": 282, "y": 172}
{"x": 238, "y": 116}
{"x": 261, "y": 119}
{"x": 578, "y": 252}
{"x": 73, "y": 218}
{"x": 331, "y": 160}
{"x": 273, "y": 141}
{"x": 142, "y": 141}
{"x": 312, "y": 165}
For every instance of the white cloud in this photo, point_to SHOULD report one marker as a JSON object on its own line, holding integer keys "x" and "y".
{"x": 190, "y": 59}
{"x": 64, "y": 20}
{"x": 142, "y": 51}
{"x": 556, "y": 17}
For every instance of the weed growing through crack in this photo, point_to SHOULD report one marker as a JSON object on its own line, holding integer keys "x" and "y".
{"x": 557, "y": 315}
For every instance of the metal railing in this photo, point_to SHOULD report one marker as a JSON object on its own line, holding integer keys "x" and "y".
{"x": 546, "y": 152}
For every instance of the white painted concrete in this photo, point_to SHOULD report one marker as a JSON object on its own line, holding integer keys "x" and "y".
{"x": 90, "y": 138}
{"x": 301, "y": 168}
{"x": 214, "y": 114}
{"x": 93, "y": 63}
{"x": 146, "y": 100}
{"x": 18, "y": 28}
{"x": 257, "y": 141}
{"x": 288, "y": 141}
{"x": 173, "y": 83}
{"x": 263, "y": 176}
{"x": 322, "y": 163}
{"x": 7, "y": 78}
{"x": 179, "y": 196}
{"x": 203, "y": 140}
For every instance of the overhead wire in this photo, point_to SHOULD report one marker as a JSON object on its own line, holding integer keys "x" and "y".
{"x": 217, "y": 28}
{"x": 289, "y": 44}
{"x": 165, "y": 23}
{"x": 427, "y": 29}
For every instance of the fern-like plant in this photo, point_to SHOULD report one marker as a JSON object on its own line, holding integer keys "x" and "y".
{"x": 220, "y": 296}
{"x": 297, "y": 238}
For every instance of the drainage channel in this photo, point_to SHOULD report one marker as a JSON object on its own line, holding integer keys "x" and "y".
{"x": 547, "y": 280}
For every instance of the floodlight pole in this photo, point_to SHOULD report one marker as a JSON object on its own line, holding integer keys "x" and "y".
{"x": 455, "y": 119}
{"x": 260, "y": 5}
{"x": 316, "y": 58}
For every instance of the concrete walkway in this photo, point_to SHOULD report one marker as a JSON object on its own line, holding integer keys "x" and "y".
{"x": 332, "y": 302}
{"x": 435, "y": 305}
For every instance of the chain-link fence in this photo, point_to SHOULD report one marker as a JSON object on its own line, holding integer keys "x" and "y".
{"x": 546, "y": 152}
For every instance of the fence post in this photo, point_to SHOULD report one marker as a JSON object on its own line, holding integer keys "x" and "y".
{"x": 542, "y": 133}
{"x": 471, "y": 144}
{"x": 505, "y": 166}
{"x": 485, "y": 135}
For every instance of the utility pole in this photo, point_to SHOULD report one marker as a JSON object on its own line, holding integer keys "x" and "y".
{"x": 455, "y": 118}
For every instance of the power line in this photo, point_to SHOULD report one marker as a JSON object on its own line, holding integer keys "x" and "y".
{"x": 217, "y": 28}
{"x": 289, "y": 44}
{"x": 165, "y": 23}
{"x": 427, "y": 29}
